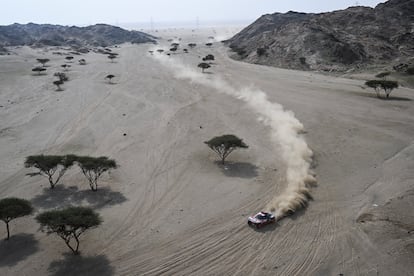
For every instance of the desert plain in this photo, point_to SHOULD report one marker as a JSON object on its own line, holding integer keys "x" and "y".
{"x": 171, "y": 208}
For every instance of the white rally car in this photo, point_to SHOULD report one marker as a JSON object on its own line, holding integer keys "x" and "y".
{"x": 261, "y": 219}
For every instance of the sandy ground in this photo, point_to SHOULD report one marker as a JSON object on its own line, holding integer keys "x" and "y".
{"x": 171, "y": 209}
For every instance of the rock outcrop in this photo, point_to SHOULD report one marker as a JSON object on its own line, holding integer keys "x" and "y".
{"x": 352, "y": 38}
{"x": 55, "y": 35}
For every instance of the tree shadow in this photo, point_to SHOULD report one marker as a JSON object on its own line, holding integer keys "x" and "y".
{"x": 238, "y": 169}
{"x": 394, "y": 98}
{"x": 383, "y": 98}
{"x": 17, "y": 248}
{"x": 62, "y": 196}
{"x": 79, "y": 265}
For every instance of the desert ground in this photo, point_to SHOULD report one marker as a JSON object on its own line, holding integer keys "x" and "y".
{"x": 171, "y": 208}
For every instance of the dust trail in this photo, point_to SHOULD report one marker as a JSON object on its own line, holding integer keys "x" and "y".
{"x": 285, "y": 132}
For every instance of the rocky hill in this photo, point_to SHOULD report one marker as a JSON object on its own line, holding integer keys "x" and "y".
{"x": 357, "y": 37}
{"x": 56, "y": 35}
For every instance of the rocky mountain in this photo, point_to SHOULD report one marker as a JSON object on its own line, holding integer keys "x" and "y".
{"x": 334, "y": 41}
{"x": 56, "y": 35}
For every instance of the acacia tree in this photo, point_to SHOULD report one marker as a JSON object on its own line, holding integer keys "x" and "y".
{"x": 385, "y": 85}
{"x": 109, "y": 78}
{"x": 62, "y": 76}
{"x": 43, "y": 61}
{"x": 94, "y": 167}
{"x": 209, "y": 44}
{"x": 192, "y": 45}
{"x": 65, "y": 67}
{"x": 48, "y": 165}
{"x": 208, "y": 57}
{"x": 38, "y": 70}
{"x": 112, "y": 57}
{"x": 11, "y": 208}
{"x": 383, "y": 75}
{"x": 69, "y": 58}
{"x": 374, "y": 84}
{"x": 160, "y": 51}
{"x": 225, "y": 144}
{"x": 69, "y": 223}
{"x": 388, "y": 86}
{"x": 58, "y": 83}
{"x": 204, "y": 66}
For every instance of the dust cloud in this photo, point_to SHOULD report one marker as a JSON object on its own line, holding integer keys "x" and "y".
{"x": 285, "y": 133}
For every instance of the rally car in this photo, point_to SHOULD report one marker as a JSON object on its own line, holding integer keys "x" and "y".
{"x": 261, "y": 219}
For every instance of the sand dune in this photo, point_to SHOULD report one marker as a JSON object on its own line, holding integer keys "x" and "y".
{"x": 170, "y": 209}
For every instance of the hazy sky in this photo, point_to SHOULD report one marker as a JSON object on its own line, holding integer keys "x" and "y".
{"x": 74, "y": 12}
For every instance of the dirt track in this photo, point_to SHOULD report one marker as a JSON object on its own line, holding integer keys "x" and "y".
{"x": 170, "y": 209}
